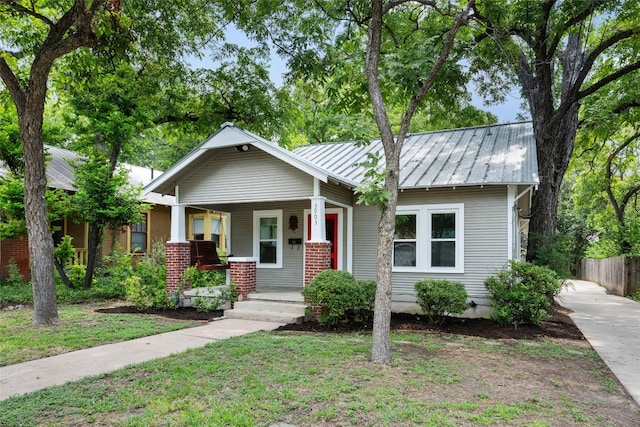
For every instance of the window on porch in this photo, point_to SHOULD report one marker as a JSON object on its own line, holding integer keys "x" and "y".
{"x": 267, "y": 238}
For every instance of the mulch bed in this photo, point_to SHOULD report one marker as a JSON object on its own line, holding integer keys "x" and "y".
{"x": 558, "y": 325}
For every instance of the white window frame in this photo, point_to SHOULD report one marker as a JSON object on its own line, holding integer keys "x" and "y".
{"x": 257, "y": 215}
{"x": 415, "y": 212}
{"x": 423, "y": 236}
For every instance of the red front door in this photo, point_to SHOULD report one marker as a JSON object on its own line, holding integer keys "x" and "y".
{"x": 331, "y": 224}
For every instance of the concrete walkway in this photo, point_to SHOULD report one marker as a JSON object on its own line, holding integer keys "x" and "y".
{"x": 38, "y": 374}
{"x": 611, "y": 324}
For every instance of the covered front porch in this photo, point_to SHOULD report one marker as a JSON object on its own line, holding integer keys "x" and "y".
{"x": 271, "y": 248}
{"x": 287, "y": 219}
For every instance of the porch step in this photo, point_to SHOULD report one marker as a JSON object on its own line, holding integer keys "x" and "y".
{"x": 288, "y": 295}
{"x": 264, "y": 316}
{"x": 271, "y": 306}
{"x": 272, "y": 310}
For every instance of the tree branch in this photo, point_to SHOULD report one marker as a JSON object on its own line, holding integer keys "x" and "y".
{"x": 553, "y": 46}
{"x": 12, "y": 4}
{"x": 591, "y": 58}
{"x": 395, "y": 3}
{"x": 13, "y": 85}
{"x": 460, "y": 20}
{"x": 626, "y": 106}
{"x": 608, "y": 79}
{"x": 619, "y": 208}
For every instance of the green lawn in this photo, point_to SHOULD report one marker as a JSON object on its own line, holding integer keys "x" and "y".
{"x": 327, "y": 380}
{"x": 81, "y": 327}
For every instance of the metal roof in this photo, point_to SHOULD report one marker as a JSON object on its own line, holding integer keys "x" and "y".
{"x": 60, "y": 174}
{"x": 485, "y": 155}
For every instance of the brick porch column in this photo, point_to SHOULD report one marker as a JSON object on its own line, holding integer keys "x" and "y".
{"x": 243, "y": 275}
{"x": 317, "y": 258}
{"x": 178, "y": 259}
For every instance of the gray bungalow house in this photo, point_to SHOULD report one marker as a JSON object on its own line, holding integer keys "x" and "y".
{"x": 461, "y": 210}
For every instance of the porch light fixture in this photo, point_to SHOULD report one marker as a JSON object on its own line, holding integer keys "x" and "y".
{"x": 242, "y": 148}
{"x": 293, "y": 223}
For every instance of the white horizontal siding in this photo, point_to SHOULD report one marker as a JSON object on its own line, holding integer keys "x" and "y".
{"x": 485, "y": 244}
{"x": 337, "y": 193}
{"x": 226, "y": 175}
{"x": 291, "y": 273}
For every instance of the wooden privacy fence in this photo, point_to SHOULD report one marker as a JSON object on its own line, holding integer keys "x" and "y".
{"x": 618, "y": 274}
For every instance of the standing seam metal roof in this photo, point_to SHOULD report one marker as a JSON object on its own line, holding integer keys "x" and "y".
{"x": 484, "y": 155}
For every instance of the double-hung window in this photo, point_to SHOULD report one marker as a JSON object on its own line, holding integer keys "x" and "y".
{"x": 138, "y": 241}
{"x": 405, "y": 248}
{"x": 429, "y": 238}
{"x": 267, "y": 238}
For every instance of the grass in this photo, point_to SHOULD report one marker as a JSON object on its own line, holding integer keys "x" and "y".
{"x": 327, "y": 379}
{"x": 82, "y": 327}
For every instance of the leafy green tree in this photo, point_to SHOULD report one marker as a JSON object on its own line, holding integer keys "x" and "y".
{"x": 558, "y": 53}
{"x": 109, "y": 105}
{"x": 408, "y": 44}
{"x": 103, "y": 197}
{"x": 607, "y": 169}
{"x": 33, "y": 36}
{"x": 316, "y": 117}
{"x": 385, "y": 61}
{"x": 190, "y": 103}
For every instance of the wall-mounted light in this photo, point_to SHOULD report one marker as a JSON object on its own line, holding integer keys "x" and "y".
{"x": 293, "y": 223}
{"x": 242, "y": 148}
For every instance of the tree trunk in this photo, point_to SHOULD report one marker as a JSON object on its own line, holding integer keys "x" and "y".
{"x": 35, "y": 211}
{"x": 554, "y": 149}
{"x": 63, "y": 275}
{"x": 381, "y": 341}
{"x": 94, "y": 238}
{"x": 555, "y": 132}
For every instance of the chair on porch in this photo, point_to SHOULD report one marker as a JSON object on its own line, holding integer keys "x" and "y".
{"x": 204, "y": 255}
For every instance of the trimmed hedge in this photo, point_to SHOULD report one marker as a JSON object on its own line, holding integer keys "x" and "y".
{"x": 341, "y": 297}
{"x": 440, "y": 297}
{"x": 523, "y": 294}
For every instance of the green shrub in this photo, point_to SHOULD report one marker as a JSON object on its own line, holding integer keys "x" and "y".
{"x": 147, "y": 287}
{"x": 523, "y": 293}
{"x": 13, "y": 277}
{"x": 15, "y": 293}
{"x": 212, "y": 303}
{"x": 203, "y": 278}
{"x": 439, "y": 297}
{"x": 76, "y": 275}
{"x": 340, "y": 297}
{"x": 64, "y": 251}
{"x": 110, "y": 276}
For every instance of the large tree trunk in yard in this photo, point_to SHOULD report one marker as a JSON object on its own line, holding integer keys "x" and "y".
{"x": 554, "y": 148}
{"x": 35, "y": 210}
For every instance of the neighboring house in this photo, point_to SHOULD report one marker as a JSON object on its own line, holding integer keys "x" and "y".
{"x": 136, "y": 238}
{"x": 464, "y": 196}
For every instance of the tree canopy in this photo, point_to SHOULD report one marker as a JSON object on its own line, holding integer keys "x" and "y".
{"x": 558, "y": 53}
